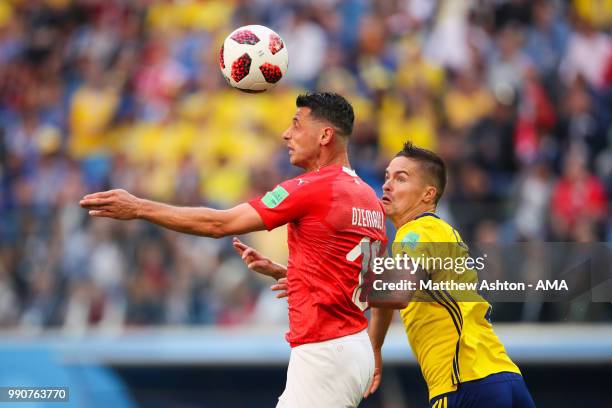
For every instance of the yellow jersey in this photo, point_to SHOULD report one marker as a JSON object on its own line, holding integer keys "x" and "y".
{"x": 452, "y": 338}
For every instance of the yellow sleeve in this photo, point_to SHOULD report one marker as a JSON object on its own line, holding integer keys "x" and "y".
{"x": 410, "y": 238}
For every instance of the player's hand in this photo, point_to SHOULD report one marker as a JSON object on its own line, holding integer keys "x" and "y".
{"x": 256, "y": 262}
{"x": 281, "y": 288}
{"x": 118, "y": 204}
{"x": 377, "y": 374}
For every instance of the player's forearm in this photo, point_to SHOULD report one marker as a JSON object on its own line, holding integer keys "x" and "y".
{"x": 191, "y": 220}
{"x": 379, "y": 325}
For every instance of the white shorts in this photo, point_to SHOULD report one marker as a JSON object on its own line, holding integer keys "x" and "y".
{"x": 330, "y": 374}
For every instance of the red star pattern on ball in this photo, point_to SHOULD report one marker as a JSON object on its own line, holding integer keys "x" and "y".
{"x": 271, "y": 73}
{"x": 245, "y": 37}
{"x": 221, "y": 60}
{"x": 275, "y": 44}
{"x": 241, "y": 67}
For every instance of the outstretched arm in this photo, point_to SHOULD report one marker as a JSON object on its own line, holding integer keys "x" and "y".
{"x": 208, "y": 222}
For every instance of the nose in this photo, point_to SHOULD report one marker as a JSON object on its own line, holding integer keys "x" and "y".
{"x": 387, "y": 186}
{"x": 286, "y": 135}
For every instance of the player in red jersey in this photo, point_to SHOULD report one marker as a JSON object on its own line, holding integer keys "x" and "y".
{"x": 336, "y": 225}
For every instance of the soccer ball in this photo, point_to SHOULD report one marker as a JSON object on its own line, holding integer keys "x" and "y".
{"x": 253, "y": 58}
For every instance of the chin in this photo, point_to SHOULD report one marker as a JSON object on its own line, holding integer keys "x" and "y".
{"x": 295, "y": 161}
{"x": 388, "y": 209}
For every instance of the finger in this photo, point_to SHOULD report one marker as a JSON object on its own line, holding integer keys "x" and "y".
{"x": 373, "y": 386}
{"x": 282, "y": 281}
{"x": 238, "y": 248}
{"x": 282, "y": 295}
{"x": 277, "y": 286}
{"x": 92, "y": 202}
{"x": 101, "y": 207}
{"x": 370, "y": 390}
{"x": 237, "y": 242}
{"x": 101, "y": 194}
{"x": 247, "y": 252}
{"x": 100, "y": 213}
{"x": 257, "y": 264}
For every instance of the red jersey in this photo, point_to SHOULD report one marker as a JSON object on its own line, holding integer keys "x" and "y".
{"x": 336, "y": 226}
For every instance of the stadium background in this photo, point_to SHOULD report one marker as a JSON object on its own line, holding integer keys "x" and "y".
{"x": 515, "y": 95}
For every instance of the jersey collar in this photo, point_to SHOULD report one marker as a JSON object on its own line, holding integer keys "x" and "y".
{"x": 427, "y": 213}
{"x": 348, "y": 171}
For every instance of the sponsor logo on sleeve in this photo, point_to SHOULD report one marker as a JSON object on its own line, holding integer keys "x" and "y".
{"x": 273, "y": 198}
{"x": 411, "y": 239}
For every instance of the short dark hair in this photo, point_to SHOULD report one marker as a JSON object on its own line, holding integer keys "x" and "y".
{"x": 331, "y": 107}
{"x": 431, "y": 164}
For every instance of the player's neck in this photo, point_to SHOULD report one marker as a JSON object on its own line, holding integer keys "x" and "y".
{"x": 333, "y": 158}
{"x": 412, "y": 214}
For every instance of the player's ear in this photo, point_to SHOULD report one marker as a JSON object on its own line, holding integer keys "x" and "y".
{"x": 429, "y": 195}
{"x": 327, "y": 136}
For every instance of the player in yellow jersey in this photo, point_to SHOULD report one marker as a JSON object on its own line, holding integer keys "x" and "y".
{"x": 461, "y": 358}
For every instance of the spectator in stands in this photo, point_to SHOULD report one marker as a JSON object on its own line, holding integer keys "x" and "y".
{"x": 98, "y": 93}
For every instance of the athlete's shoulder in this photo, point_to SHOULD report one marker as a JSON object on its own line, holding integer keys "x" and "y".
{"x": 428, "y": 227}
{"x": 356, "y": 183}
{"x": 318, "y": 178}
{"x": 290, "y": 190}
{"x": 305, "y": 181}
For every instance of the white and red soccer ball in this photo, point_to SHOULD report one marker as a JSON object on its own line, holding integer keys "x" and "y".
{"x": 253, "y": 58}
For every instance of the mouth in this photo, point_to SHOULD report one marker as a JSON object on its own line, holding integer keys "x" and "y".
{"x": 385, "y": 200}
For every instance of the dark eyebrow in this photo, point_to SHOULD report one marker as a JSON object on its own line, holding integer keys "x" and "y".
{"x": 399, "y": 172}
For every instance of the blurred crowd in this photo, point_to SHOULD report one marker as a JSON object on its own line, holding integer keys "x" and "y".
{"x": 515, "y": 95}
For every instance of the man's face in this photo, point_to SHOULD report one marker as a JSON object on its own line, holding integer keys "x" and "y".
{"x": 404, "y": 187}
{"x": 302, "y": 138}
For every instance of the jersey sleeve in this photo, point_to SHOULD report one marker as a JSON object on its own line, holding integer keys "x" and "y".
{"x": 287, "y": 202}
{"x": 409, "y": 241}
{"x": 415, "y": 242}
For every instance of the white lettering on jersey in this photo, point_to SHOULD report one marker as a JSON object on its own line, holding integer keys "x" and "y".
{"x": 368, "y": 218}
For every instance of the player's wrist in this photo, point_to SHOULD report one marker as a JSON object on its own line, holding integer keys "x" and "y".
{"x": 139, "y": 208}
{"x": 279, "y": 271}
